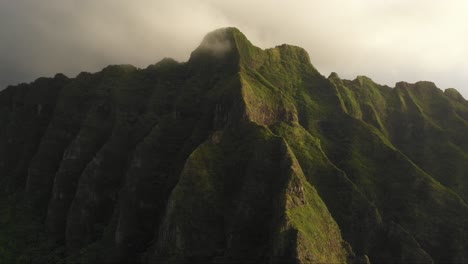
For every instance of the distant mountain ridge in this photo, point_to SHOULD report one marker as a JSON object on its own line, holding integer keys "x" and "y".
{"x": 238, "y": 155}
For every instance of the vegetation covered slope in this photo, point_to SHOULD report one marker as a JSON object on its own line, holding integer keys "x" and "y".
{"x": 238, "y": 155}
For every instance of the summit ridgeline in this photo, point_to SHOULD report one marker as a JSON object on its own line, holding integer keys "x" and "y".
{"x": 239, "y": 155}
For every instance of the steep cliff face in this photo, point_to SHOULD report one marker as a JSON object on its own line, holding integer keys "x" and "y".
{"x": 238, "y": 155}
{"x": 425, "y": 123}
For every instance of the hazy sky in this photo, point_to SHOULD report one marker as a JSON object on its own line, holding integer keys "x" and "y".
{"x": 387, "y": 40}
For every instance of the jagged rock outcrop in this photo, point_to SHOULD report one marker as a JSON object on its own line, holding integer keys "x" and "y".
{"x": 238, "y": 155}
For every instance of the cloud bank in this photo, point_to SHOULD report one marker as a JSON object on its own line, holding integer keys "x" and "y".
{"x": 387, "y": 40}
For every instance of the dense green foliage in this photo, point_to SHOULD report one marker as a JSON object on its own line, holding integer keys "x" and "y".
{"x": 238, "y": 155}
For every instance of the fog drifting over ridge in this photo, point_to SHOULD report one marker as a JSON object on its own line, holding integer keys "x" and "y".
{"x": 388, "y": 41}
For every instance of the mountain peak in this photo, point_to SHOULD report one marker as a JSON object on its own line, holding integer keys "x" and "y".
{"x": 334, "y": 75}
{"x": 222, "y": 32}
{"x": 454, "y": 94}
{"x": 219, "y": 47}
{"x": 220, "y": 41}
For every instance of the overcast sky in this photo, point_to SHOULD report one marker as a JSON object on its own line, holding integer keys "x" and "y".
{"x": 386, "y": 40}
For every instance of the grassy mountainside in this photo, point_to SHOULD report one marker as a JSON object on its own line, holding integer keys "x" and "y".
{"x": 238, "y": 155}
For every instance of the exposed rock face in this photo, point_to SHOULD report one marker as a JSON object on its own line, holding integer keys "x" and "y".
{"x": 238, "y": 155}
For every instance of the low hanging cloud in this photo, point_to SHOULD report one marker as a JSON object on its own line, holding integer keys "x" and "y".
{"x": 216, "y": 46}
{"x": 389, "y": 40}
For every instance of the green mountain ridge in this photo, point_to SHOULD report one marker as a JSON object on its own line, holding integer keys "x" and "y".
{"x": 238, "y": 155}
